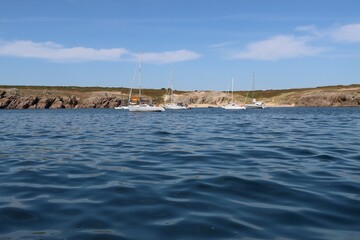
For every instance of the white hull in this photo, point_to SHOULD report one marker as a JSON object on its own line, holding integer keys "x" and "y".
{"x": 122, "y": 108}
{"x": 145, "y": 108}
{"x": 175, "y": 107}
{"x": 234, "y": 107}
{"x": 255, "y": 106}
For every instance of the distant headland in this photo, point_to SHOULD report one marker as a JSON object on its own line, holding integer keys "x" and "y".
{"x": 51, "y": 97}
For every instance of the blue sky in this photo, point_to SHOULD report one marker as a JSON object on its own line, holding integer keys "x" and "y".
{"x": 288, "y": 44}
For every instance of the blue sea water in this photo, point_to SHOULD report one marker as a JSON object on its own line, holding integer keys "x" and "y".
{"x": 279, "y": 173}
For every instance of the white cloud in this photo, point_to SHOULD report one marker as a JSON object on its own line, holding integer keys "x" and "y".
{"x": 347, "y": 33}
{"x": 289, "y": 46}
{"x": 312, "y": 29}
{"x": 58, "y": 53}
{"x": 169, "y": 57}
{"x": 221, "y": 45}
{"x": 278, "y": 47}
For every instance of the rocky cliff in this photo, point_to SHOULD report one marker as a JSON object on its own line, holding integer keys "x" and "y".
{"x": 320, "y": 97}
{"x": 329, "y": 99}
{"x": 206, "y": 97}
{"x": 16, "y": 99}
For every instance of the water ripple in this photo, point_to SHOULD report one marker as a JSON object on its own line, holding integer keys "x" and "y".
{"x": 200, "y": 174}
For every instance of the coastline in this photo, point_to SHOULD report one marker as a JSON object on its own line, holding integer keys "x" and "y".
{"x": 43, "y": 97}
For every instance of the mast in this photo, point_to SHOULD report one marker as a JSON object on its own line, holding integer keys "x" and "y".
{"x": 132, "y": 83}
{"x": 253, "y": 86}
{"x": 232, "y": 90}
{"x": 169, "y": 90}
{"x": 171, "y": 86}
{"x": 139, "y": 78}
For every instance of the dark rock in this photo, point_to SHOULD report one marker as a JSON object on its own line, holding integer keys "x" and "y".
{"x": 45, "y": 102}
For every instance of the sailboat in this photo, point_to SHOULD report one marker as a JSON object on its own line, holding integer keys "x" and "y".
{"x": 232, "y": 105}
{"x": 172, "y": 105}
{"x": 255, "y": 104}
{"x": 140, "y": 105}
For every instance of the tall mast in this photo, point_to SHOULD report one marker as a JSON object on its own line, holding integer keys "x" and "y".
{"x": 171, "y": 86}
{"x": 132, "y": 83}
{"x": 139, "y": 78}
{"x": 232, "y": 90}
{"x": 253, "y": 86}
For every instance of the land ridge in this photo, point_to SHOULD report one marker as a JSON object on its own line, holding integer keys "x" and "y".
{"x": 55, "y": 97}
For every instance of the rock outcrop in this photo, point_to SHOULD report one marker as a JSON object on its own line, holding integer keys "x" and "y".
{"x": 14, "y": 99}
{"x": 210, "y": 98}
{"x": 323, "y": 99}
{"x": 101, "y": 102}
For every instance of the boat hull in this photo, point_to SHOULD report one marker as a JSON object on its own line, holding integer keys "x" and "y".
{"x": 254, "y": 106}
{"x": 145, "y": 108}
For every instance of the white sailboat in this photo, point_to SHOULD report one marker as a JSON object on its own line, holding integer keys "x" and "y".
{"x": 255, "y": 104}
{"x": 232, "y": 105}
{"x": 140, "y": 105}
{"x": 172, "y": 105}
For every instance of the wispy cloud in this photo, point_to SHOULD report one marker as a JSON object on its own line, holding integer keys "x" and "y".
{"x": 347, "y": 33}
{"x": 169, "y": 57}
{"x": 293, "y": 46}
{"x": 311, "y": 29}
{"x": 222, "y": 44}
{"x": 278, "y": 47}
{"x": 58, "y": 53}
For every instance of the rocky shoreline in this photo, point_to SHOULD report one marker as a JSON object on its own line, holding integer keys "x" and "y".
{"x": 13, "y": 98}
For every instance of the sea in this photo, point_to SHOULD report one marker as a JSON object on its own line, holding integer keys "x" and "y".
{"x": 275, "y": 173}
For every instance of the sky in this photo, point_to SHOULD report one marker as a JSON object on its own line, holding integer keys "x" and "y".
{"x": 285, "y": 43}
